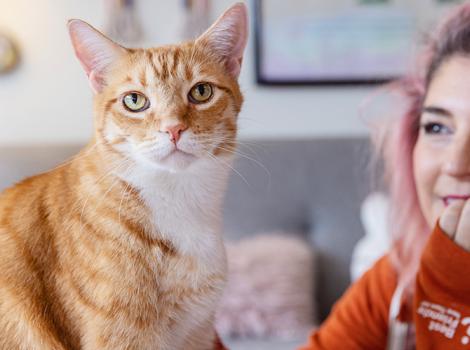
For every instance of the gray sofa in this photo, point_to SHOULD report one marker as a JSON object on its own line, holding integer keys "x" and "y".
{"x": 311, "y": 187}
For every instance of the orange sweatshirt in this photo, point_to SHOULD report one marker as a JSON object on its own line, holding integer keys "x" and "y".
{"x": 441, "y": 315}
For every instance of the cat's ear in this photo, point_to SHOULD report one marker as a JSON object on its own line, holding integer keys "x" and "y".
{"x": 228, "y": 36}
{"x": 94, "y": 51}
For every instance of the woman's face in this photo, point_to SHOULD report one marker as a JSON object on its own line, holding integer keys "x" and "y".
{"x": 441, "y": 157}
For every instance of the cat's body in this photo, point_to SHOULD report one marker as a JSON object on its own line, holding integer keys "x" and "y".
{"x": 113, "y": 267}
{"x": 121, "y": 247}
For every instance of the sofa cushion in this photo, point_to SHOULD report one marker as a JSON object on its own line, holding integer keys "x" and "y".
{"x": 270, "y": 288}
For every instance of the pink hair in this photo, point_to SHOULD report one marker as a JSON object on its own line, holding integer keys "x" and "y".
{"x": 408, "y": 226}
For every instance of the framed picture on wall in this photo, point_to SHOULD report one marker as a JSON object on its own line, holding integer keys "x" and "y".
{"x": 338, "y": 42}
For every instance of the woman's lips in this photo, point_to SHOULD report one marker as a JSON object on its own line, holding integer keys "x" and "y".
{"x": 452, "y": 198}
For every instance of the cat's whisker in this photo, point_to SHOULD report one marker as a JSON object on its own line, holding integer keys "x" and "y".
{"x": 241, "y": 146}
{"x": 77, "y": 157}
{"x": 238, "y": 141}
{"x": 114, "y": 183}
{"x": 257, "y": 122}
{"x": 218, "y": 160}
{"x": 242, "y": 155}
{"x": 251, "y": 143}
{"x": 123, "y": 195}
{"x": 235, "y": 151}
{"x": 125, "y": 162}
{"x": 146, "y": 144}
{"x": 215, "y": 143}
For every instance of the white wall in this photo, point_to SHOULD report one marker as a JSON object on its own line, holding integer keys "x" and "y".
{"x": 47, "y": 99}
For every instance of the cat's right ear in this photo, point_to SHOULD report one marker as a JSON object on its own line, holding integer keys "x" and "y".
{"x": 228, "y": 36}
{"x": 94, "y": 51}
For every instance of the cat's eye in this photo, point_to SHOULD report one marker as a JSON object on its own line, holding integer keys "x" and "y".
{"x": 200, "y": 93}
{"x": 135, "y": 102}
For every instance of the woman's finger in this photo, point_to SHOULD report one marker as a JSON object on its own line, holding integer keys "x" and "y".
{"x": 450, "y": 217}
{"x": 462, "y": 235}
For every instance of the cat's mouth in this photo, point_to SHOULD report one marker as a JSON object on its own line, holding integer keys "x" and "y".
{"x": 178, "y": 155}
{"x": 178, "y": 151}
{"x": 171, "y": 158}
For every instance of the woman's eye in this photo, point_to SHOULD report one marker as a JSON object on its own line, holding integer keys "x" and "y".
{"x": 435, "y": 128}
{"x": 200, "y": 93}
{"x": 135, "y": 102}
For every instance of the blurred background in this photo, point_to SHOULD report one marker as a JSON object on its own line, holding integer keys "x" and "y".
{"x": 303, "y": 178}
{"x": 46, "y": 98}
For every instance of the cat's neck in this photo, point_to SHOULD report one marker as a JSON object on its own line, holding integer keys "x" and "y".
{"x": 202, "y": 183}
{"x": 200, "y": 186}
{"x": 182, "y": 206}
{"x": 186, "y": 207}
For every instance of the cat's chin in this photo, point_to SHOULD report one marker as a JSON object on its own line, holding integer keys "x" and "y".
{"x": 177, "y": 161}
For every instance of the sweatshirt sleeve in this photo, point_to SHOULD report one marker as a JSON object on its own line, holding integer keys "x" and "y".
{"x": 442, "y": 297}
{"x": 218, "y": 344}
{"x": 359, "y": 320}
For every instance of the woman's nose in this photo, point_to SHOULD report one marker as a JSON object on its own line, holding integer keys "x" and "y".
{"x": 457, "y": 159}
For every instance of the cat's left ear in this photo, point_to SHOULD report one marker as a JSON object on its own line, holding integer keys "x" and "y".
{"x": 94, "y": 51}
{"x": 228, "y": 36}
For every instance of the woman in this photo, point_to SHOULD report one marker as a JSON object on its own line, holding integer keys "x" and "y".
{"x": 419, "y": 294}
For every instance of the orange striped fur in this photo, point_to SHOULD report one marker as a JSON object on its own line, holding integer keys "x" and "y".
{"x": 120, "y": 247}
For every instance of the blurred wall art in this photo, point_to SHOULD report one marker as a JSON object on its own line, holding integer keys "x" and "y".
{"x": 9, "y": 54}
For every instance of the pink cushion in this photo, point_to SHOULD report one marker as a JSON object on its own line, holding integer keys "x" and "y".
{"x": 270, "y": 289}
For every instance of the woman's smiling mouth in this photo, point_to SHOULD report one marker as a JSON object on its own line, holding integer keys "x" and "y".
{"x": 451, "y": 198}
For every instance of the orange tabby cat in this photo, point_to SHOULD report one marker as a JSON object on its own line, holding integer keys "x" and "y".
{"x": 120, "y": 248}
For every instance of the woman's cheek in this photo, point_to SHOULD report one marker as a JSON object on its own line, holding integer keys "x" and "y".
{"x": 426, "y": 169}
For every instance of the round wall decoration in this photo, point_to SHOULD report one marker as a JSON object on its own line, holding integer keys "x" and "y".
{"x": 8, "y": 54}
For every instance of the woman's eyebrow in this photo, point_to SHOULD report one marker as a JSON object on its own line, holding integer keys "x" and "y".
{"x": 438, "y": 111}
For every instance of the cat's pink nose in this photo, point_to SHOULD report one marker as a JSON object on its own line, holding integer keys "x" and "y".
{"x": 174, "y": 131}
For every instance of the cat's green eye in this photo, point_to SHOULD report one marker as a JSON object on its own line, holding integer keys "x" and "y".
{"x": 135, "y": 102}
{"x": 200, "y": 93}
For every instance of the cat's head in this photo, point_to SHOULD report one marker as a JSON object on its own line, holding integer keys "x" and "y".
{"x": 166, "y": 107}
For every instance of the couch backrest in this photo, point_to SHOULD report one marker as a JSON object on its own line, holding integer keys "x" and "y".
{"x": 310, "y": 187}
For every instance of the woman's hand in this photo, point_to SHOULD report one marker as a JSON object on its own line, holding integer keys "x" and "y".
{"x": 455, "y": 222}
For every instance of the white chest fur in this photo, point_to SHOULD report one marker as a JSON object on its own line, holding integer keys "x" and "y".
{"x": 186, "y": 211}
{"x": 185, "y": 206}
